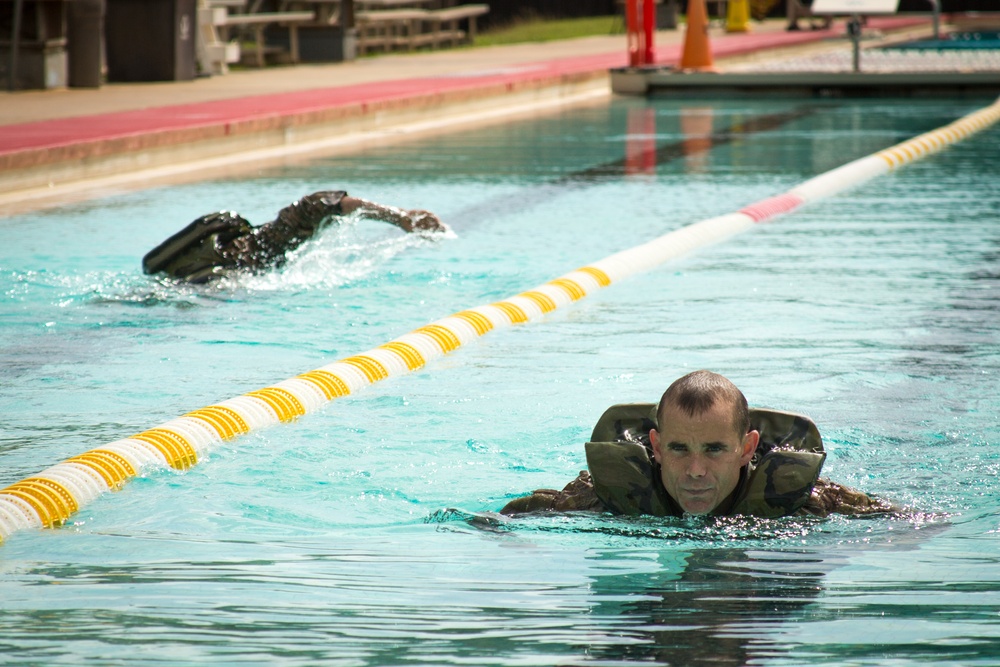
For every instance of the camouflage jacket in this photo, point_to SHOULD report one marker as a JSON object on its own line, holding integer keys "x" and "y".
{"x": 781, "y": 480}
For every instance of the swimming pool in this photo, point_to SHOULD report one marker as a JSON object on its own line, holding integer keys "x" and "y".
{"x": 958, "y": 40}
{"x": 344, "y": 538}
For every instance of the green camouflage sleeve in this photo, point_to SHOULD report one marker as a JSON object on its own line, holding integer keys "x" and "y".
{"x": 832, "y": 498}
{"x": 577, "y": 496}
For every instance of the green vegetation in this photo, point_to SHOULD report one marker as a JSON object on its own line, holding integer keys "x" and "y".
{"x": 533, "y": 28}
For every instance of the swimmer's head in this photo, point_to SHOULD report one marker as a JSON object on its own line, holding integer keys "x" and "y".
{"x": 697, "y": 392}
{"x": 703, "y": 440}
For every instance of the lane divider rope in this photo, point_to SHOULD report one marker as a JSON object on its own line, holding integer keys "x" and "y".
{"x": 49, "y": 498}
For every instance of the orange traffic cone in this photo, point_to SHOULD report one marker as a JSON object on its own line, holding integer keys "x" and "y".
{"x": 697, "y": 54}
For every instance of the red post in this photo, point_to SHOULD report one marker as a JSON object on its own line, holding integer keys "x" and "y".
{"x": 649, "y": 23}
{"x": 635, "y": 51}
{"x": 640, "y": 22}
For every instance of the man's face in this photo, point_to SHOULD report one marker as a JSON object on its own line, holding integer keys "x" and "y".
{"x": 700, "y": 457}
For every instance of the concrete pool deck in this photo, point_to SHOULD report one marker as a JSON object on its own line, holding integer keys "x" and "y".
{"x": 71, "y": 144}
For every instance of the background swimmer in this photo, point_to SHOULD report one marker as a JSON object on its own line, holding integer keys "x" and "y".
{"x": 218, "y": 244}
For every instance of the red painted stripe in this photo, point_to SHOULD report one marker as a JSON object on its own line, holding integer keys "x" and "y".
{"x": 772, "y": 206}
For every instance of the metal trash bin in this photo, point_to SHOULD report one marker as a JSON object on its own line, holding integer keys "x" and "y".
{"x": 666, "y": 15}
{"x": 319, "y": 44}
{"x": 151, "y": 40}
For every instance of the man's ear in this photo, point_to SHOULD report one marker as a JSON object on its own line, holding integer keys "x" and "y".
{"x": 750, "y": 441}
{"x": 654, "y": 440}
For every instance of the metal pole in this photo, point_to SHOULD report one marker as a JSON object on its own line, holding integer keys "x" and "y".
{"x": 347, "y": 15}
{"x": 15, "y": 38}
{"x": 854, "y": 28}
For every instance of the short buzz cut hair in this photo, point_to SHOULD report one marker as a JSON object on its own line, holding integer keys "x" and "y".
{"x": 697, "y": 392}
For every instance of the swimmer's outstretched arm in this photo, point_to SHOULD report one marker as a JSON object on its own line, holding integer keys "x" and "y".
{"x": 408, "y": 220}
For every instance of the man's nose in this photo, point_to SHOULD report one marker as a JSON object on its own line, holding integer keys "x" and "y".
{"x": 696, "y": 467}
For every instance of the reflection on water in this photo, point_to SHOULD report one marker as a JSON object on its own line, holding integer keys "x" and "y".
{"x": 718, "y": 594}
{"x": 644, "y": 153}
{"x": 713, "y": 606}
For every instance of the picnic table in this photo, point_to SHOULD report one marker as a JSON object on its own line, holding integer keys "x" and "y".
{"x": 409, "y": 24}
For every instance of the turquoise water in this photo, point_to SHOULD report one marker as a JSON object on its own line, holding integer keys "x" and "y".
{"x": 351, "y": 537}
{"x": 958, "y": 40}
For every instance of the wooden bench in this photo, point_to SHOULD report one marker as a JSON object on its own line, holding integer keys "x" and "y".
{"x": 259, "y": 22}
{"x": 388, "y": 28}
{"x": 374, "y": 5}
{"x": 214, "y": 53}
{"x": 404, "y": 28}
{"x": 327, "y": 11}
{"x": 444, "y": 23}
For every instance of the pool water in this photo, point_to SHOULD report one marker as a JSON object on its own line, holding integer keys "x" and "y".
{"x": 361, "y": 534}
{"x": 958, "y": 40}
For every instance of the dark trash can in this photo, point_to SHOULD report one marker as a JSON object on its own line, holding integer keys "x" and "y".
{"x": 666, "y": 15}
{"x": 319, "y": 44}
{"x": 85, "y": 43}
{"x": 151, "y": 40}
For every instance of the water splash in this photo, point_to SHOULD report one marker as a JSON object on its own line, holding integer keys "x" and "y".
{"x": 341, "y": 255}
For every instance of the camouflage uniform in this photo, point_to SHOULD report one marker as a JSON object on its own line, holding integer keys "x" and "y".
{"x": 781, "y": 480}
{"x": 220, "y": 243}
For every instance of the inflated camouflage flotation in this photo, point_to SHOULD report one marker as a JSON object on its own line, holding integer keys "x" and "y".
{"x": 778, "y": 481}
{"x": 197, "y": 253}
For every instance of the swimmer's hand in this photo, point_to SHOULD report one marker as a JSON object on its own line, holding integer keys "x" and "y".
{"x": 412, "y": 220}
{"x": 423, "y": 221}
